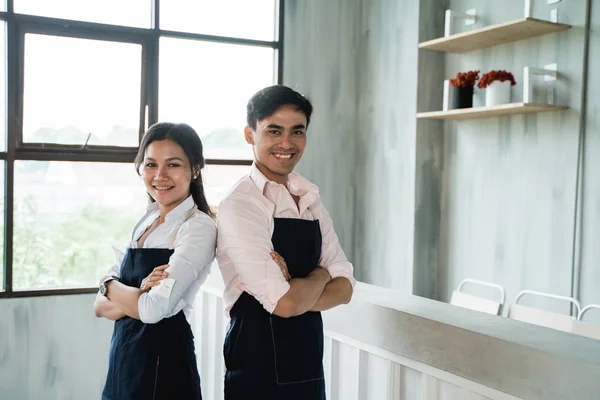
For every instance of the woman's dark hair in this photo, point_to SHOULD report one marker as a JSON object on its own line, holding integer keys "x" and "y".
{"x": 186, "y": 137}
{"x": 266, "y": 101}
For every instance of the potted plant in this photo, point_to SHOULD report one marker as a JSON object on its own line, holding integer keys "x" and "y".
{"x": 463, "y": 92}
{"x": 497, "y": 85}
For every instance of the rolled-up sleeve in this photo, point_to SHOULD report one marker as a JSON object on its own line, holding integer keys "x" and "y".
{"x": 243, "y": 250}
{"x": 333, "y": 258}
{"x": 194, "y": 251}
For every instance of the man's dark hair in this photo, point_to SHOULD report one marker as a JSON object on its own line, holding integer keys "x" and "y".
{"x": 266, "y": 101}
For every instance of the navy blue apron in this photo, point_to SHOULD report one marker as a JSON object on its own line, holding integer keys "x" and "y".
{"x": 273, "y": 358}
{"x": 151, "y": 361}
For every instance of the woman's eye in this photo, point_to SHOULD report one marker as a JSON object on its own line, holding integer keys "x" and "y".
{"x": 174, "y": 165}
{"x": 150, "y": 165}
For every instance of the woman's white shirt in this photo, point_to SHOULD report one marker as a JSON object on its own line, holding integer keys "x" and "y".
{"x": 192, "y": 235}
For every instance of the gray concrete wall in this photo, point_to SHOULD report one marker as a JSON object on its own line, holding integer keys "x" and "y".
{"x": 385, "y": 158}
{"x": 589, "y": 277}
{"x": 429, "y": 154}
{"x": 509, "y": 182}
{"x": 321, "y": 49}
{"x": 52, "y": 348}
{"x": 358, "y": 65}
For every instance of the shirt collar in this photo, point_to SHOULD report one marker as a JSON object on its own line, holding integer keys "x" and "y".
{"x": 175, "y": 213}
{"x": 258, "y": 178}
{"x": 296, "y": 184}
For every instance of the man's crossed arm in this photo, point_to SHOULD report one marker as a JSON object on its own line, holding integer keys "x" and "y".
{"x": 316, "y": 292}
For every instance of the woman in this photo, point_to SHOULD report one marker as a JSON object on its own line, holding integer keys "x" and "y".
{"x": 151, "y": 296}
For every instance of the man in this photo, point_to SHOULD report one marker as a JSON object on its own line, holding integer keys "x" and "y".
{"x": 280, "y": 259}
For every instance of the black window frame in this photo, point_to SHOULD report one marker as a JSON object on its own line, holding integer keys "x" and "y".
{"x": 17, "y": 25}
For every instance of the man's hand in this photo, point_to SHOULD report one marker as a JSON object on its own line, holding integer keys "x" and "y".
{"x": 322, "y": 273}
{"x": 338, "y": 291}
{"x": 303, "y": 293}
{"x": 282, "y": 265}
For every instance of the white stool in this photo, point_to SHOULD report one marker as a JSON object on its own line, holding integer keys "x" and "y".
{"x": 540, "y": 317}
{"x": 477, "y": 303}
{"x": 588, "y": 329}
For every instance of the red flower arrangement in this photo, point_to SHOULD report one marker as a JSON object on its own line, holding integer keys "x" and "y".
{"x": 465, "y": 79}
{"x": 499, "y": 75}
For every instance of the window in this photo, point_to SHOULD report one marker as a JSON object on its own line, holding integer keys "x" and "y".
{"x": 233, "y": 18}
{"x": 117, "y": 12}
{"x": 75, "y": 98}
{"x": 68, "y": 216}
{"x": 218, "y": 179}
{"x": 208, "y": 85}
{"x": 89, "y": 93}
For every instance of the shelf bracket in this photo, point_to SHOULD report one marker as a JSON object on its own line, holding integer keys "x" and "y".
{"x": 446, "y": 106}
{"x": 470, "y": 17}
{"x": 527, "y": 8}
{"x": 550, "y": 74}
{"x": 553, "y": 11}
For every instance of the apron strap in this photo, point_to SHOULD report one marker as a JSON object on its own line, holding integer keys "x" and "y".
{"x": 174, "y": 237}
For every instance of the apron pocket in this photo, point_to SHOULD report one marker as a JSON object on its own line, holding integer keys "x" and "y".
{"x": 298, "y": 347}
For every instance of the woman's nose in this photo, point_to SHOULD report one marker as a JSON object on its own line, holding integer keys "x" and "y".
{"x": 161, "y": 173}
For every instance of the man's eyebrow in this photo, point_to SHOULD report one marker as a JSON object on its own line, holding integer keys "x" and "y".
{"x": 275, "y": 126}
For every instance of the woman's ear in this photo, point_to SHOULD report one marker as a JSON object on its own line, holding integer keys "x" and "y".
{"x": 195, "y": 173}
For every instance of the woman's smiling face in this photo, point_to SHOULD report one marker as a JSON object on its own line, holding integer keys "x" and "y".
{"x": 167, "y": 173}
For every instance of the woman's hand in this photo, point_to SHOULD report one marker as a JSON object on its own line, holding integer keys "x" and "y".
{"x": 157, "y": 275}
{"x": 282, "y": 265}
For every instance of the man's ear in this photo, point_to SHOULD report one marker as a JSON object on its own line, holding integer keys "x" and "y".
{"x": 248, "y": 135}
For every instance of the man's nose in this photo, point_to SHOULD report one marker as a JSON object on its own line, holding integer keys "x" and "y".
{"x": 286, "y": 141}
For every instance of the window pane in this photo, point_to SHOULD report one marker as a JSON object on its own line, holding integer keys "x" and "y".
{"x": 231, "y": 18}
{"x": 90, "y": 87}
{"x": 219, "y": 179}
{"x": 207, "y": 85}
{"x": 67, "y": 217}
{"x": 2, "y": 85}
{"x": 137, "y": 13}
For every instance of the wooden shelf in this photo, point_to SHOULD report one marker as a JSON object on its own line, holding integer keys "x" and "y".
{"x": 494, "y": 35}
{"x": 495, "y": 111}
